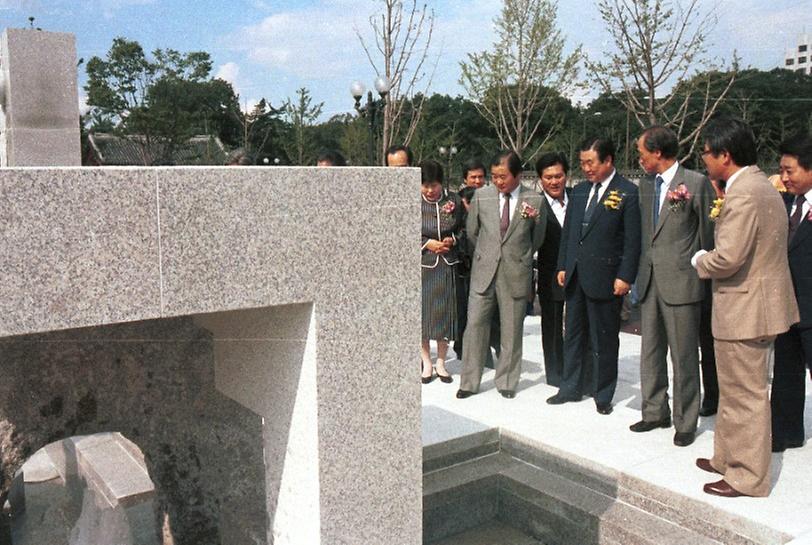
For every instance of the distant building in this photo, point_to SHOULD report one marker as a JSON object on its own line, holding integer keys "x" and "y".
{"x": 111, "y": 150}
{"x": 798, "y": 59}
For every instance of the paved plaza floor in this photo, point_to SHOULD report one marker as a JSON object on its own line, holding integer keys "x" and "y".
{"x": 577, "y": 429}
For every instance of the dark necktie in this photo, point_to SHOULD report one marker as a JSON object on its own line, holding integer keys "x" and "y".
{"x": 795, "y": 219}
{"x": 503, "y": 225}
{"x": 593, "y": 203}
{"x": 658, "y": 187}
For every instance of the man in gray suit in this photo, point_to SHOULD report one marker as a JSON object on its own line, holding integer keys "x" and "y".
{"x": 674, "y": 207}
{"x": 505, "y": 226}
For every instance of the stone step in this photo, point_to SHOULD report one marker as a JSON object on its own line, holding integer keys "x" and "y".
{"x": 686, "y": 512}
{"x": 558, "y": 498}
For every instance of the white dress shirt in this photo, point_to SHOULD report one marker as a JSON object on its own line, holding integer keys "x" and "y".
{"x": 668, "y": 177}
{"x": 601, "y": 191}
{"x": 807, "y": 205}
{"x": 514, "y": 201}
{"x": 559, "y": 207}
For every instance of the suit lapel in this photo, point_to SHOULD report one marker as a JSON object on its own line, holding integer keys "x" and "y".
{"x": 803, "y": 232}
{"x": 665, "y": 211}
{"x": 516, "y": 213}
{"x": 601, "y": 208}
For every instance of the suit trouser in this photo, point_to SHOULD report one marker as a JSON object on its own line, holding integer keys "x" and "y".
{"x": 552, "y": 338}
{"x": 481, "y": 307}
{"x": 710, "y": 384}
{"x": 600, "y": 320}
{"x": 676, "y": 327}
{"x": 793, "y": 355}
{"x": 741, "y": 442}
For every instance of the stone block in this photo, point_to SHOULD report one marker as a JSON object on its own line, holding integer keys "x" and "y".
{"x": 41, "y": 103}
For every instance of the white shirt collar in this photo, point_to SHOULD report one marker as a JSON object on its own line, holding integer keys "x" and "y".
{"x": 733, "y": 178}
{"x": 669, "y": 173}
{"x": 553, "y": 201}
{"x": 609, "y": 179}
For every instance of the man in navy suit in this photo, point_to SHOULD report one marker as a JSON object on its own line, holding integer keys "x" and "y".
{"x": 597, "y": 263}
{"x": 793, "y": 349}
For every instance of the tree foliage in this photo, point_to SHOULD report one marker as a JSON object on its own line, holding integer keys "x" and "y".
{"x": 159, "y": 102}
{"x": 515, "y": 84}
{"x": 301, "y": 113}
{"x": 658, "y": 44}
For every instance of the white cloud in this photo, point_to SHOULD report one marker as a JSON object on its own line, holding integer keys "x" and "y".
{"x": 228, "y": 72}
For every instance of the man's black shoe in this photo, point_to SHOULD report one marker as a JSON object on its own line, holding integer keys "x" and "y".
{"x": 781, "y": 446}
{"x": 603, "y": 408}
{"x": 648, "y": 425}
{"x": 683, "y": 439}
{"x": 462, "y": 394}
{"x": 508, "y": 394}
{"x": 708, "y": 408}
{"x": 559, "y": 399}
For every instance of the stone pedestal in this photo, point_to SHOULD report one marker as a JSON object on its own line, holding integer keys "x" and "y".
{"x": 269, "y": 376}
{"x": 39, "y": 98}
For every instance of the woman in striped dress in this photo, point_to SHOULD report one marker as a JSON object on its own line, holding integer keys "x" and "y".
{"x": 442, "y": 217}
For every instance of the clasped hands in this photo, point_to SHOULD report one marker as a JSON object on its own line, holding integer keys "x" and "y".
{"x": 621, "y": 288}
{"x": 440, "y": 246}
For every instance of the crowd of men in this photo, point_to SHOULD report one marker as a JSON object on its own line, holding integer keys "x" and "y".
{"x": 720, "y": 261}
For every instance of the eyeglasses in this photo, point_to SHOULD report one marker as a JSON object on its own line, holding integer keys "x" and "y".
{"x": 705, "y": 152}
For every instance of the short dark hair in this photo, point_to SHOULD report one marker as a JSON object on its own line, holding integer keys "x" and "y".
{"x": 472, "y": 164}
{"x": 662, "y": 139}
{"x": 514, "y": 162}
{"x": 552, "y": 158}
{"x": 467, "y": 193}
{"x": 430, "y": 172}
{"x": 333, "y": 157}
{"x": 391, "y": 150}
{"x": 603, "y": 146}
{"x": 733, "y": 136}
{"x": 799, "y": 146}
{"x": 239, "y": 158}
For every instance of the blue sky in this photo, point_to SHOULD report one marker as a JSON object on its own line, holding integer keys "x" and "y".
{"x": 268, "y": 48}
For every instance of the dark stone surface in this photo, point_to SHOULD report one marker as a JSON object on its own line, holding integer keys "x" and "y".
{"x": 153, "y": 382}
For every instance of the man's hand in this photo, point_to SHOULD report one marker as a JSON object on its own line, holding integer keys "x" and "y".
{"x": 449, "y": 242}
{"x": 561, "y": 277}
{"x": 621, "y": 287}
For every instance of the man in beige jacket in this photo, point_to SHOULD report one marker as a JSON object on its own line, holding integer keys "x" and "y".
{"x": 753, "y": 301}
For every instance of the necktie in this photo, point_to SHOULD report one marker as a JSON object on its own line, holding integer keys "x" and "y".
{"x": 503, "y": 225}
{"x": 658, "y": 187}
{"x": 795, "y": 219}
{"x": 593, "y": 203}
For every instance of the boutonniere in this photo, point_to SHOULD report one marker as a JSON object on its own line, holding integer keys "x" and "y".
{"x": 716, "y": 209}
{"x": 528, "y": 212}
{"x": 678, "y": 197}
{"x": 448, "y": 208}
{"x": 613, "y": 201}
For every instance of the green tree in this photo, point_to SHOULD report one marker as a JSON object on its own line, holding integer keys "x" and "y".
{"x": 516, "y": 83}
{"x": 160, "y": 102}
{"x": 301, "y": 113}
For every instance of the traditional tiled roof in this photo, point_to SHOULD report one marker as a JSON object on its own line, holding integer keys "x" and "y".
{"x": 113, "y": 150}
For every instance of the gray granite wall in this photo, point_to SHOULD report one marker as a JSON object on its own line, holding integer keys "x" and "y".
{"x": 303, "y": 288}
{"x": 39, "y": 99}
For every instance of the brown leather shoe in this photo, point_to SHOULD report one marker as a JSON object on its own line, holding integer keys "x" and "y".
{"x": 705, "y": 465}
{"x": 721, "y": 488}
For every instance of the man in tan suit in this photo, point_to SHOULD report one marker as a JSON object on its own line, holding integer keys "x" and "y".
{"x": 753, "y": 301}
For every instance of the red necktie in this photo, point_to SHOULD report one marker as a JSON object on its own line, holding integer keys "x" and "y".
{"x": 503, "y": 225}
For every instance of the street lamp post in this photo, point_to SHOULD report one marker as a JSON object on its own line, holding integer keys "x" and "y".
{"x": 451, "y": 152}
{"x": 371, "y": 108}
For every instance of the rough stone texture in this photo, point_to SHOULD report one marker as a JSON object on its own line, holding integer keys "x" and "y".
{"x": 40, "y": 104}
{"x": 152, "y": 381}
{"x": 319, "y": 265}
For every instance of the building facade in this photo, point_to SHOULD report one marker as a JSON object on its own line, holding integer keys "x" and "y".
{"x": 798, "y": 58}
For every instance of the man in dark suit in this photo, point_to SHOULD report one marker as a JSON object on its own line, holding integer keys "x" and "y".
{"x": 793, "y": 349}
{"x": 552, "y": 169}
{"x": 674, "y": 207}
{"x": 597, "y": 263}
{"x": 505, "y": 224}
